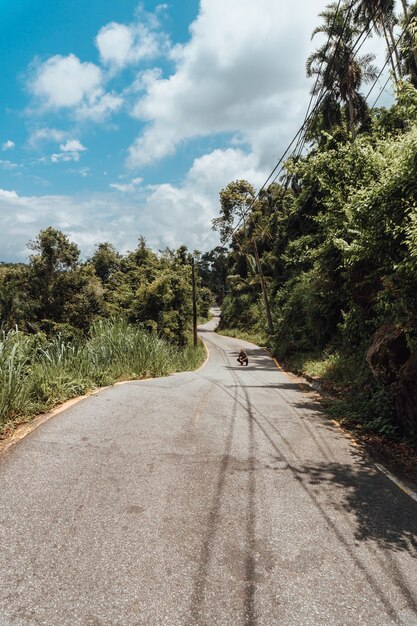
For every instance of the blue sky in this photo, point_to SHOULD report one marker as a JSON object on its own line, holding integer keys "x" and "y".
{"x": 121, "y": 119}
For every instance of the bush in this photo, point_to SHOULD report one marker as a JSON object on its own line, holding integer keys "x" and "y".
{"x": 36, "y": 373}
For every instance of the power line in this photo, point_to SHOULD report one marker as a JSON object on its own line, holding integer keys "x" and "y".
{"x": 313, "y": 91}
{"x": 382, "y": 70}
{"x": 307, "y": 116}
{"x": 365, "y": 31}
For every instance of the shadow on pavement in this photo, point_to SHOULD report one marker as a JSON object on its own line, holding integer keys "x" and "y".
{"x": 289, "y": 386}
{"x": 383, "y": 513}
{"x": 378, "y": 511}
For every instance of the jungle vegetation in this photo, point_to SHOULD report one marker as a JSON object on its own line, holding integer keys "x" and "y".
{"x": 335, "y": 237}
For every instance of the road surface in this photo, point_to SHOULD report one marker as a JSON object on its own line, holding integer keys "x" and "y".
{"x": 221, "y": 496}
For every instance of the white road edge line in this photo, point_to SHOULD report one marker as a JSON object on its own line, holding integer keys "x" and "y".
{"x": 397, "y": 481}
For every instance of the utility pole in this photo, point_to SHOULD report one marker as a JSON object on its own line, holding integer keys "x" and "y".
{"x": 194, "y": 303}
{"x": 264, "y": 291}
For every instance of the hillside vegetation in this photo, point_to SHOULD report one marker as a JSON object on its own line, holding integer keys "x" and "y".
{"x": 336, "y": 237}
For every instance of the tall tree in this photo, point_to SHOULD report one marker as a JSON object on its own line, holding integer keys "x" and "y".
{"x": 237, "y": 201}
{"x": 339, "y": 72}
{"x": 379, "y": 15}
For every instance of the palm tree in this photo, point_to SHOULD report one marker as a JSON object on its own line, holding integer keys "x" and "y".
{"x": 379, "y": 14}
{"x": 408, "y": 47}
{"x": 339, "y": 73}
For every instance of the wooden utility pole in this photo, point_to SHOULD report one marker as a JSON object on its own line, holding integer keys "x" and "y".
{"x": 194, "y": 303}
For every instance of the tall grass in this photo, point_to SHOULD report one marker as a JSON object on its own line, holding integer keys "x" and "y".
{"x": 36, "y": 373}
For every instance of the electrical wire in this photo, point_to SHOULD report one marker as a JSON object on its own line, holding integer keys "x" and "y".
{"x": 308, "y": 116}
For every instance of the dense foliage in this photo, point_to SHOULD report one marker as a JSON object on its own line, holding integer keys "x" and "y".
{"x": 69, "y": 326}
{"x": 338, "y": 241}
{"x": 56, "y": 292}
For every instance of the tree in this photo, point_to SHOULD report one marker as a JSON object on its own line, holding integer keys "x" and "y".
{"x": 380, "y": 14}
{"x": 339, "y": 72}
{"x": 213, "y": 269}
{"x": 408, "y": 46}
{"x": 62, "y": 292}
{"x": 105, "y": 260}
{"x": 237, "y": 200}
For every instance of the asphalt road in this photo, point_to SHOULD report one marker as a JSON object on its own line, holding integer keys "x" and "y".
{"x": 221, "y": 496}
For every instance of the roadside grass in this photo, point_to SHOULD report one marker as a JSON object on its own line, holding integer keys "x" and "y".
{"x": 333, "y": 368}
{"x": 351, "y": 396}
{"x": 37, "y": 373}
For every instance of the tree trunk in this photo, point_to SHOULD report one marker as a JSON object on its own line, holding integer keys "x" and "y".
{"x": 390, "y": 53}
{"x": 405, "y": 8}
{"x": 351, "y": 118}
{"x": 412, "y": 37}
{"x": 264, "y": 291}
{"x": 394, "y": 46}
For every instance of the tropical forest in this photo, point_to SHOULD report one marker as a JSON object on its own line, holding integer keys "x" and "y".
{"x": 319, "y": 264}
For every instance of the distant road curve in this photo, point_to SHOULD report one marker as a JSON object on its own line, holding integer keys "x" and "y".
{"x": 220, "y": 496}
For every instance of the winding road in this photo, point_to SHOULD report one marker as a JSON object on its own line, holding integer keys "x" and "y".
{"x": 219, "y": 497}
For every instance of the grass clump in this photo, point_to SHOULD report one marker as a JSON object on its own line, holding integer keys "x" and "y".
{"x": 37, "y": 372}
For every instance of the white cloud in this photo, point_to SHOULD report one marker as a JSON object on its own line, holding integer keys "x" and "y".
{"x": 115, "y": 43}
{"x": 120, "y": 45}
{"x": 8, "y": 165}
{"x": 66, "y": 82}
{"x": 70, "y": 151}
{"x": 45, "y": 135}
{"x": 127, "y": 187}
{"x": 8, "y": 195}
{"x": 99, "y": 105}
{"x": 236, "y": 74}
{"x": 8, "y": 145}
{"x": 81, "y": 171}
{"x": 72, "y": 145}
{"x": 167, "y": 215}
{"x": 59, "y": 157}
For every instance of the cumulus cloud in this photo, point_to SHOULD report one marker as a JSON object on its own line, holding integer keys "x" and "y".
{"x": 120, "y": 45}
{"x": 166, "y": 214}
{"x": 234, "y": 75}
{"x": 72, "y": 145}
{"x": 8, "y": 145}
{"x": 66, "y": 82}
{"x": 70, "y": 151}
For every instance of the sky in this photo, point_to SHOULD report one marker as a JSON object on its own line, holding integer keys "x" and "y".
{"x": 122, "y": 119}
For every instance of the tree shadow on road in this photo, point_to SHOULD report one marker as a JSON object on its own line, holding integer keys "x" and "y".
{"x": 376, "y": 510}
{"x": 384, "y": 514}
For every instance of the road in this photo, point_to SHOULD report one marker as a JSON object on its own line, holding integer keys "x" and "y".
{"x": 221, "y": 496}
